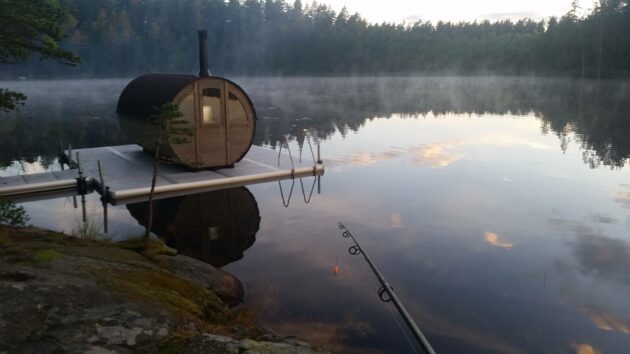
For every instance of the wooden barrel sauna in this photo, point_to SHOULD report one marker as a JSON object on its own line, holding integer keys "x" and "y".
{"x": 219, "y": 114}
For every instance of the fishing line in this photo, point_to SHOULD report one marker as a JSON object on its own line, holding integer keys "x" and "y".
{"x": 386, "y": 289}
{"x": 377, "y": 289}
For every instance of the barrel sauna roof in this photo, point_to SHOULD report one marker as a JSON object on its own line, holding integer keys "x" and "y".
{"x": 147, "y": 93}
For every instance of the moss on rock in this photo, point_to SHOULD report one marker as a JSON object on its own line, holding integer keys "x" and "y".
{"x": 73, "y": 295}
{"x": 40, "y": 257}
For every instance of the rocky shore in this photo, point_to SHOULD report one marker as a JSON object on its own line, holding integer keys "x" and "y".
{"x": 62, "y": 294}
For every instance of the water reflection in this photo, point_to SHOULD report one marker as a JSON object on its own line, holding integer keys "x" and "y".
{"x": 470, "y": 194}
{"x": 78, "y": 112}
{"x": 607, "y": 321}
{"x": 215, "y": 227}
{"x": 497, "y": 241}
{"x": 596, "y": 112}
{"x": 602, "y": 257}
{"x": 623, "y": 195}
{"x": 584, "y": 349}
{"x": 592, "y": 114}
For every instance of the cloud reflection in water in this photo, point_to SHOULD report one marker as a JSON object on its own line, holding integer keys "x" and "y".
{"x": 584, "y": 349}
{"x": 603, "y": 257}
{"x": 606, "y": 321}
{"x": 496, "y": 240}
{"x": 623, "y": 198}
{"x": 439, "y": 154}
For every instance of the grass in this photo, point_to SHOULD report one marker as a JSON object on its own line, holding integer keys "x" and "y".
{"x": 89, "y": 230}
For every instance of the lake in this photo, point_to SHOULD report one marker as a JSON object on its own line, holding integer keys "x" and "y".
{"x": 497, "y": 208}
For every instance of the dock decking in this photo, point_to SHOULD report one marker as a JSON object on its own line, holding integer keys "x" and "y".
{"x": 128, "y": 172}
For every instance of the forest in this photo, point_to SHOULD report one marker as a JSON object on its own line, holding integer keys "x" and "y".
{"x": 591, "y": 113}
{"x": 121, "y": 38}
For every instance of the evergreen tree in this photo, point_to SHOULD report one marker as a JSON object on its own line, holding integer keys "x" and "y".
{"x": 273, "y": 37}
{"x": 27, "y": 27}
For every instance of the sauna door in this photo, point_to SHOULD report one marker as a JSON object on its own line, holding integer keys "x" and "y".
{"x": 239, "y": 122}
{"x": 211, "y": 124}
{"x": 186, "y": 151}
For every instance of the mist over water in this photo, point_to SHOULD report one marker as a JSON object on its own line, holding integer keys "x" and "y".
{"x": 82, "y": 112}
{"x": 498, "y": 208}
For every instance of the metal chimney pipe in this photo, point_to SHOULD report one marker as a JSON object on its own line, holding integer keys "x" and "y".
{"x": 203, "y": 53}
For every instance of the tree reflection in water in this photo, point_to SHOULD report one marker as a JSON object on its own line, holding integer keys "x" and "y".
{"x": 595, "y": 111}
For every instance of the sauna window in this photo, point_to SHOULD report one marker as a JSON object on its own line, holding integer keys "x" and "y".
{"x": 236, "y": 110}
{"x": 213, "y": 233}
{"x": 211, "y": 105}
{"x": 187, "y": 108}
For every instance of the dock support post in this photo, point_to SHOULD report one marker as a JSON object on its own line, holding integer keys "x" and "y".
{"x": 301, "y": 146}
{"x": 103, "y": 196}
{"x": 74, "y": 197}
{"x": 82, "y": 188}
{"x": 310, "y": 147}
{"x": 319, "y": 184}
{"x": 62, "y": 158}
{"x": 319, "y": 156}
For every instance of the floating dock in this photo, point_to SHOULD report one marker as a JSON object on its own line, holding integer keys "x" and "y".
{"x": 41, "y": 186}
{"x": 128, "y": 171}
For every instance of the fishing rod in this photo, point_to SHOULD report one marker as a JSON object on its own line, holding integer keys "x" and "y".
{"x": 386, "y": 292}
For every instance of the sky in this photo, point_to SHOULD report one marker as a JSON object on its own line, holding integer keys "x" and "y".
{"x": 454, "y": 10}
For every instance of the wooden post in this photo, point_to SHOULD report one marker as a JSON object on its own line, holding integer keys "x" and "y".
{"x": 103, "y": 196}
{"x": 61, "y": 155}
{"x": 82, "y": 186}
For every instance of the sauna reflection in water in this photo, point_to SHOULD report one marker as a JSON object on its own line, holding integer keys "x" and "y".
{"x": 215, "y": 227}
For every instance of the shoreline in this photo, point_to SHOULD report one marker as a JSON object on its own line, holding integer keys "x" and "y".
{"x": 60, "y": 293}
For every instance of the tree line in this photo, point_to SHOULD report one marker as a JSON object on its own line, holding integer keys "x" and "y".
{"x": 273, "y": 37}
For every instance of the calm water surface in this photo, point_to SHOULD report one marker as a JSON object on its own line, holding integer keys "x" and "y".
{"x": 498, "y": 208}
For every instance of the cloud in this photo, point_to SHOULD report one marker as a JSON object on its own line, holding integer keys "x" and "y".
{"x": 414, "y": 18}
{"x": 496, "y": 240}
{"x": 500, "y": 16}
